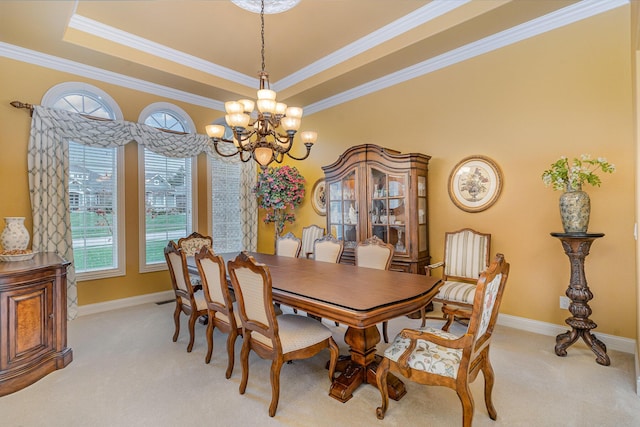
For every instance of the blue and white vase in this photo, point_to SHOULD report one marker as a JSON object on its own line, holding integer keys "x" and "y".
{"x": 15, "y": 235}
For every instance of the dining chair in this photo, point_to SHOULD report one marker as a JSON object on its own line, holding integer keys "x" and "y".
{"x": 223, "y": 313}
{"x": 431, "y": 356}
{"x": 375, "y": 253}
{"x": 288, "y": 245}
{"x": 309, "y": 235}
{"x": 188, "y": 300}
{"x": 287, "y": 337}
{"x": 328, "y": 249}
{"x": 466, "y": 255}
{"x": 190, "y": 245}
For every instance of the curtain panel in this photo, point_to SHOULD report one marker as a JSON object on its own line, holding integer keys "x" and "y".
{"x": 48, "y": 169}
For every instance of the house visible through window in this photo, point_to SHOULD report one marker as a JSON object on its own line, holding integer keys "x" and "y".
{"x": 168, "y": 212}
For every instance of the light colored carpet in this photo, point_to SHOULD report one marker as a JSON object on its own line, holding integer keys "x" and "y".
{"x": 127, "y": 372}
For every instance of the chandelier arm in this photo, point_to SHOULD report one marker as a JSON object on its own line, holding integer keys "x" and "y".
{"x": 308, "y": 145}
{"x": 242, "y": 156}
{"x": 215, "y": 146}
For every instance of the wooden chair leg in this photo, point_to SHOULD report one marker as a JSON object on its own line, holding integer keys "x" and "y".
{"x": 207, "y": 358}
{"x": 192, "y": 331}
{"x": 466, "y": 398}
{"x": 276, "y": 366}
{"x": 231, "y": 343}
{"x": 423, "y": 315}
{"x": 381, "y": 381}
{"x": 176, "y": 320}
{"x": 384, "y": 331}
{"x": 489, "y": 379}
{"x": 244, "y": 359}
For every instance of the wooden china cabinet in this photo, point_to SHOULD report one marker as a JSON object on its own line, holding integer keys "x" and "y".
{"x": 33, "y": 322}
{"x": 373, "y": 190}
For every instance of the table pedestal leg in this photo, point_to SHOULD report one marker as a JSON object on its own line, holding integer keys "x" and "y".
{"x": 581, "y": 329}
{"x": 360, "y": 367}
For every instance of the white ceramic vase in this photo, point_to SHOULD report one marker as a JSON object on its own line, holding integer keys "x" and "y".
{"x": 15, "y": 235}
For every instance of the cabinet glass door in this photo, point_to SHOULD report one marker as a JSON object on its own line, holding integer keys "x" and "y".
{"x": 343, "y": 210}
{"x": 387, "y": 212}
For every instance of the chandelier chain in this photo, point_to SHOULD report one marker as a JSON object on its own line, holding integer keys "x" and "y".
{"x": 262, "y": 33}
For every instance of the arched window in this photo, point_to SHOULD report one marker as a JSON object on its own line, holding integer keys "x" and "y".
{"x": 95, "y": 185}
{"x": 166, "y": 188}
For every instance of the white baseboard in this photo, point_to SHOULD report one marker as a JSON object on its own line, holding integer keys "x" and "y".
{"x": 612, "y": 342}
{"x": 85, "y": 310}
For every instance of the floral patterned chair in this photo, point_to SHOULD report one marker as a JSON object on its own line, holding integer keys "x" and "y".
{"x": 190, "y": 246}
{"x": 435, "y": 357}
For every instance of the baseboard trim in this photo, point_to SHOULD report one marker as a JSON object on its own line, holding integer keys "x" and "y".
{"x": 85, "y": 310}
{"x": 612, "y": 342}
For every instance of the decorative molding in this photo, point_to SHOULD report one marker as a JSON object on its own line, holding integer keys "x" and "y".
{"x": 568, "y": 15}
{"x": 115, "y": 35}
{"x": 613, "y": 342}
{"x": 52, "y": 62}
{"x": 562, "y": 17}
{"x": 101, "y": 307}
{"x": 400, "y": 26}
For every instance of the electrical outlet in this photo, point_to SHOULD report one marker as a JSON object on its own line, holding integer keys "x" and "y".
{"x": 564, "y": 302}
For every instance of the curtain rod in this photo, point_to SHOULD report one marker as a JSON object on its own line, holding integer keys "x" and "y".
{"x": 18, "y": 104}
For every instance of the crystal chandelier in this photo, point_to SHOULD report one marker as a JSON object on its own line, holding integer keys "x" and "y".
{"x": 266, "y": 135}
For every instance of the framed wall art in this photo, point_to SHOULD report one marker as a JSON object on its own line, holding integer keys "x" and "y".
{"x": 475, "y": 183}
{"x": 319, "y": 197}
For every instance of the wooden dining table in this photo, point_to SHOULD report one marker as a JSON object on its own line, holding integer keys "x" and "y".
{"x": 357, "y": 297}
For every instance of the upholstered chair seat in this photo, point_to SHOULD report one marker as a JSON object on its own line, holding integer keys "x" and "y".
{"x": 427, "y": 356}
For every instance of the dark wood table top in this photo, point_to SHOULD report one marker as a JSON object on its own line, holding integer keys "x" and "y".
{"x": 356, "y": 296}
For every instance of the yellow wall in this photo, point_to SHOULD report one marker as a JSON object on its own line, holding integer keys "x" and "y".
{"x": 567, "y": 92}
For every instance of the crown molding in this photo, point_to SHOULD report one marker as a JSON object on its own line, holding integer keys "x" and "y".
{"x": 560, "y": 18}
{"x": 90, "y": 26}
{"x": 571, "y": 14}
{"x": 55, "y": 63}
{"x": 400, "y": 26}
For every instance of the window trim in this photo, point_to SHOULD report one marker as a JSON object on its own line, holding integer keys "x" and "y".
{"x": 49, "y": 98}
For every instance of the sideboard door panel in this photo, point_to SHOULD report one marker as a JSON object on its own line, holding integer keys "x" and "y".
{"x": 30, "y": 329}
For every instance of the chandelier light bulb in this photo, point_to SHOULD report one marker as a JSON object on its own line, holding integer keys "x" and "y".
{"x": 233, "y": 107}
{"x": 294, "y": 112}
{"x": 267, "y": 94}
{"x": 215, "y": 131}
{"x": 248, "y": 105}
{"x": 309, "y": 136}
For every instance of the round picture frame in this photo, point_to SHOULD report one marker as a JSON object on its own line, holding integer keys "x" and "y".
{"x": 475, "y": 183}
{"x": 319, "y": 197}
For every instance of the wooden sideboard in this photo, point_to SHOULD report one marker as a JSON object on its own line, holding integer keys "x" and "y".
{"x": 33, "y": 322}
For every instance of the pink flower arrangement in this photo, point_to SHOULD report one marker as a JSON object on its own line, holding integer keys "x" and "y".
{"x": 279, "y": 189}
